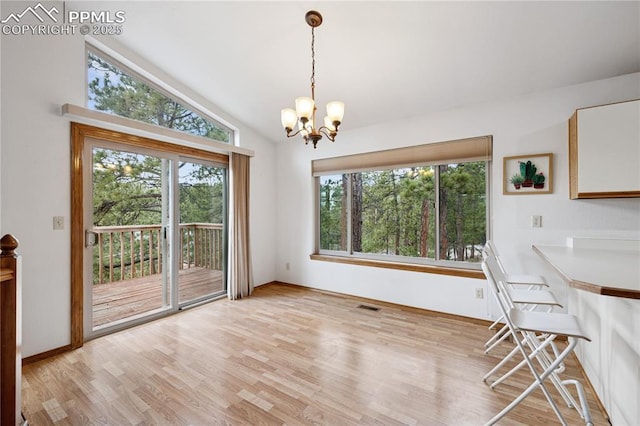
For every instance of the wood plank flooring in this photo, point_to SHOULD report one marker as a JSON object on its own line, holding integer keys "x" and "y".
{"x": 123, "y": 299}
{"x": 286, "y": 355}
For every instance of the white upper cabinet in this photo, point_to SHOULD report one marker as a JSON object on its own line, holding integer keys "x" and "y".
{"x": 604, "y": 151}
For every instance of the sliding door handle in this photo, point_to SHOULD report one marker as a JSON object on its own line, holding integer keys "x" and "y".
{"x": 90, "y": 238}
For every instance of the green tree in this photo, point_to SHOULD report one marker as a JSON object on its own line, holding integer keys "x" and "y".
{"x": 114, "y": 91}
{"x": 131, "y": 192}
{"x": 418, "y": 201}
{"x": 397, "y": 207}
{"x": 127, "y": 188}
{"x": 332, "y": 213}
{"x": 202, "y": 195}
{"x": 394, "y": 211}
{"x": 462, "y": 210}
{"x": 356, "y": 212}
{"x": 378, "y": 199}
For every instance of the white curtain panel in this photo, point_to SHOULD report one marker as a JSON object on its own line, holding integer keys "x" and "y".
{"x": 240, "y": 271}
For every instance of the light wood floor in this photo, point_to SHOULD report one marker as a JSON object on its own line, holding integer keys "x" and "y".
{"x": 286, "y": 355}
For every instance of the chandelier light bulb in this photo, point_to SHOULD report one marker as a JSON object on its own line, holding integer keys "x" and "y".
{"x": 289, "y": 118}
{"x": 328, "y": 123}
{"x": 335, "y": 111}
{"x": 305, "y": 107}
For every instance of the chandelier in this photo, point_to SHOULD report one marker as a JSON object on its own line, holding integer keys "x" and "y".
{"x": 305, "y": 113}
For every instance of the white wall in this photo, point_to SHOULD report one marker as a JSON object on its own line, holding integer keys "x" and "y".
{"x": 37, "y": 77}
{"x": 39, "y": 74}
{"x": 528, "y": 125}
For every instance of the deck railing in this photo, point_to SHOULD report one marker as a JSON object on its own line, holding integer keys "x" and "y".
{"x": 127, "y": 252}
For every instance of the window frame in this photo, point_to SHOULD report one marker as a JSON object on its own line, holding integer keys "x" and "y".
{"x": 417, "y": 264}
{"x": 150, "y": 81}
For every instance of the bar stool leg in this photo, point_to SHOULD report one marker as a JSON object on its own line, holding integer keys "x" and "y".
{"x": 538, "y": 382}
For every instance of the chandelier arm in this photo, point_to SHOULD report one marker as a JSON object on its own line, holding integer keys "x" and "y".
{"x": 331, "y": 135}
{"x": 290, "y": 135}
{"x": 334, "y": 130}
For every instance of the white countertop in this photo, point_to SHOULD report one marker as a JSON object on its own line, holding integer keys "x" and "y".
{"x": 601, "y": 271}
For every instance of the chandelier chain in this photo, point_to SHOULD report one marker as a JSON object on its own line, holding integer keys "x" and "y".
{"x": 313, "y": 60}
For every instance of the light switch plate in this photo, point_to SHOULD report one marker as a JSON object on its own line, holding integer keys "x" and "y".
{"x": 58, "y": 223}
{"x": 536, "y": 221}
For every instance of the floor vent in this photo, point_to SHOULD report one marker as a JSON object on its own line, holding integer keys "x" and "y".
{"x": 369, "y": 308}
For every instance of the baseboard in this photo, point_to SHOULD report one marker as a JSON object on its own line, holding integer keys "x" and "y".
{"x": 424, "y": 311}
{"x": 44, "y": 355}
{"x": 270, "y": 282}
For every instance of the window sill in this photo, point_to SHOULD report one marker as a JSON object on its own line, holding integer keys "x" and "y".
{"x": 429, "y": 269}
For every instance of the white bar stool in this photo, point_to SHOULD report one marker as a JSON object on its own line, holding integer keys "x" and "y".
{"x": 533, "y": 281}
{"x": 531, "y": 326}
{"x": 525, "y": 299}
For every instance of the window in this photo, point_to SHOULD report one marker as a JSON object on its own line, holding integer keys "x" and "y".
{"x": 431, "y": 211}
{"x": 115, "y": 90}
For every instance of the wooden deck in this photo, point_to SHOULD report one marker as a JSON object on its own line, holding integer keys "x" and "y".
{"x": 123, "y": 299}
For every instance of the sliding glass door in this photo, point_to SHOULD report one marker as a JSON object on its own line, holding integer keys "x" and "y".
{"x": 129, "y": 217}
{"x": 154, "y": 234}
{"x": 202, "y": 189}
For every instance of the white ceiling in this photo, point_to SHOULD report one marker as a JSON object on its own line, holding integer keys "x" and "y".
{"x": 385, "y": 60}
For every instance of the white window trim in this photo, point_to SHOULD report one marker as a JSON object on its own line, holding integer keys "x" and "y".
{"x": 138, "y": 128}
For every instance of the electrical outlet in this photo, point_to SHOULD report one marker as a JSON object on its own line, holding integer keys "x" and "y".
{"x": 58, "y": 223}
{"x": 536, "y": 221}
{"x": 479, "y": 293}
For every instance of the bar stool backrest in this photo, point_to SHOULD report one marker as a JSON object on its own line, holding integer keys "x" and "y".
{"x": 492, "y": 251}
{"x": 500, "y": 281}
{"x": 499, "y": 292}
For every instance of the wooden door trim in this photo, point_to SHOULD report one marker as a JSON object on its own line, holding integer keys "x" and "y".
{"x": 79, "y": 132}
{"x": 77, "y": 237}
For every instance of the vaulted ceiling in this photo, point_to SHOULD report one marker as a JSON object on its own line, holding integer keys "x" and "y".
{"x": 385, "y": 60}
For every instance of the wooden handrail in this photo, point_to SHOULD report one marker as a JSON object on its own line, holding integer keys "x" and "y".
{"x": 145, "y": 227}
{"x": 10, "y": 333}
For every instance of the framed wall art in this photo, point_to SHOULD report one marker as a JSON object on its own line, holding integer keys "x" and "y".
{"x": 527, "y": 174}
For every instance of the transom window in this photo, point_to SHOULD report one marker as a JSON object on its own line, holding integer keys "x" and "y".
{"x": 116, "y": 90}
{"x": 433, "y": 213}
